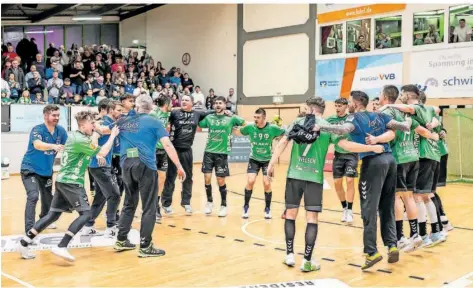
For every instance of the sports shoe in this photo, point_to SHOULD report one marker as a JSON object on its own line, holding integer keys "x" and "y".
{"x": 349, "y": 216}
{"x": 158, "y": 214}
{"x": 344, "y": 215}
{"x": 308, "y": 266}
{"x": 52, "y": 226}
{"x": 124, "y": 245}
{"x": 168, "y": 210}
{"x": 25, "y": 253}
{"x": 63, "y": 253}
{"x": 437, "y": 238}
{"x": 208, "y": 208}
{"x": 150, "y": 251}
{"x": 267, "y": 213}
{"x": 426, "y": 242}
{"x": 88, "y": 230}
{"x": 371, "y": 260}
{"x": 223, "y": 211}
{"x": 414, "y": 243}
{"x": 393, "y": 255}
{"x": 289, "y": 260}
{"x": 111, "y": 232}
{"x": 402, "y": 243}
{"x": 448, "y": 227}
{"x": 188, "y": 209}
{"x": 244, "y": 215}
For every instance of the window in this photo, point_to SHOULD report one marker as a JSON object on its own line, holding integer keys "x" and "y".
{"x": 358, "y": 36}
{"x": 388, "y": 32}
{"x": 460, "y": 24}
{"x": 428, "y": 27}
{"x": 331, "y": 39}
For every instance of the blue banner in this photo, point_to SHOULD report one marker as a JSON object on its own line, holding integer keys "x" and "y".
{"x": 328, "y": 78}
{"x": 25, "y": 117}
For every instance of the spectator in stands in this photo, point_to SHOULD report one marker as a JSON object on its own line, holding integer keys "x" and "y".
{"x": 175, "y": 101}
{"x": 67, "y": 92}
{"x": 29, "y": 75}
{"x": 5, "y": 99}
{"x": 108, "y": 84}
{"x": 77, "y": 100}
{"x": 58, "y": 60}
{"x": 89, "y": 83}
{"x": 51, "y": 69}
{"x": 199, "y": 99}
{"x": 433, "y": 34}
{"x": 5, "y": 87}
{"x": 10, "y": 54}
{"x": 101, "y": 66}
{"x": 38, "y": 99}
{"x": 5, "y": 68}
{"x": 50, "y": 50}
{"x": 115, "y": 95}
{"x": 131, "y": 74}
{"x": 101, "y": 96}
{"x": 153, "y": 92}
{"x": 117, "y": 74}
{"x": 92, "y": 69}
{"x": 89, "y": 99}
{"x": 209, "y": 101}
{"x": 129, "y": 87}
{"x": 18, "y": 72}
{"x": 15, "y": 87}
{"x": 40, "y": 65}
{"x": 36, "y": 84}
{"x": 187, "y": 82}
{"x": 163, "y": 77}
{"x": 118, "y": 63}
{"x": 25, "y": 98}
{"x": 231, "y": 100}
{"x": 109, "y": 60}
{"x": 77, "y": 77}
{"x": 462, "y": 32}
{"x": 140, "y": 90}
{"x": 54, "y": 88}
{"x": 98, "y": 85}
{"x": 151, "y": 79}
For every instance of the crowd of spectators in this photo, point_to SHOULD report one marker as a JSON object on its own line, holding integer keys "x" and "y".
{"x": 86, "y": 75}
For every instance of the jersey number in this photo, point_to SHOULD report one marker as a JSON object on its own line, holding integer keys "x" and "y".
{"x": 306, "y": 150}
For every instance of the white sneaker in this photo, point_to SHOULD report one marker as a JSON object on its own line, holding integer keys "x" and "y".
{"x": 444, "y": 235}
{"x": 52, "y": 226}
{"x": 267, "y": 213}
{"x": 223, "y": 211}
{"x": 111, "y": 232}
{"x": 188, "y": 209}
{"x": 25, "y": 253}
{"x": 448, "y": 227}
{"x": 289, "y": 260}
{"x": 414, "y": 243}
{"x": 208, "y": 208}
{"x": 63, "y": 253}
{"x": 402, "y": 243}
{"x": 344, "y": 215}
{"x": 349, "y": 216}
{"x": 308, "y": 266}
{"x": 168, "y": 210}
{"x": 245, "y": 213}
{"x": 426, "y": 242}
{"x": 88, "y": 231}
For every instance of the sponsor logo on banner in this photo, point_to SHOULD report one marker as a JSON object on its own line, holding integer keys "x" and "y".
{"x": 329, "y": 282}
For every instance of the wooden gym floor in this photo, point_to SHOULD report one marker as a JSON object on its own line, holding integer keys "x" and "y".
{"x": 209, "y": 251}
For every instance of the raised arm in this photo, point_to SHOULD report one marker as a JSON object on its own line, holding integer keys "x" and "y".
{"x": 403, "y": 126}
{"x": 401, "y": 107}
{"x": 383, "y": 138}
{"x": 109, "y": 145}
{"x": 426, "y": 133}
{"x": 339, "y": 129}
{"x": 359, "y": 148}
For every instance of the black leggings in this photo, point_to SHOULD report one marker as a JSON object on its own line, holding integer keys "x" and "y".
{"x": 53, "y": 216}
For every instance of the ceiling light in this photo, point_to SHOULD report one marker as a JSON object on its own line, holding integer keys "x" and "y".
{"x": 39, "y": 32}
{"x": 86, "y": 18}
{"x": 135, "y": 41}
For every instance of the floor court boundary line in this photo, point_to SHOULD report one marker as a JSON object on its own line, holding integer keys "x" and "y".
{"x": 461, "y": 282}
{"x": 17, "y": 280}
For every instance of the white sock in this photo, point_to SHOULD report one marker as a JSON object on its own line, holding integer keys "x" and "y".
{"x": 421, "y": 212}
{"x": 432, "y": 212}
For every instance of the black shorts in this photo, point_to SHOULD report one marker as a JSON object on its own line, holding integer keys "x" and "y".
{"x": 312, "y": 192}
{"x": 219, "y": 161}
{"x": 425, "y": 179}
{"x": 254, "y": 166}
{"x": 407, "y": 176}
{"x": 69, "y": 197}
{"x": 345, "y": 164}
{"x": 161, "y": 160}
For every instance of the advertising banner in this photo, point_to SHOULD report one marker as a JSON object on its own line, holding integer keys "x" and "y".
{"x": 444, "y": 73}
{"x": 337, "y": 77}
{"x": 77, "y": 109}
{"x": 25, "y": 117}
{"x": 5, "y": 118}
{"x": 241, "y": 148}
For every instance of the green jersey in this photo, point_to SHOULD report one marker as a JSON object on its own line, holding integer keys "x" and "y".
{"x": 403, "y": 147}
{"x": 89, "y": 101}
{"x": 428, "y": 148}
{"x": 308, "y": 160}
{"x": 443, "y": 147}
{"x": 261, "y": 140}
{"x": 164, "y": 117}
{"x": 334, "y": 119}
{"x": 76, "y": 158}
{"x": 24, "y": 100}
{"x": 220, "y": 131}
{"x": 6, "y": 100}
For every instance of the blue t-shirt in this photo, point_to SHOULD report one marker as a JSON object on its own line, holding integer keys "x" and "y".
{"x": 107, "y": 121}
{"x": 142, "y": 132}
{"x": 41, "y": 162}
{"x": 368, "y": 123}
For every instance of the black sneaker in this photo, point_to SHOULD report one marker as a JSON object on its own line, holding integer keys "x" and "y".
{"x": 124, "y": 245}
{"x": 151, "y": 251}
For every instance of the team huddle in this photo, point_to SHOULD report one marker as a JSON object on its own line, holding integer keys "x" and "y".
{"x": 127, "y": 144}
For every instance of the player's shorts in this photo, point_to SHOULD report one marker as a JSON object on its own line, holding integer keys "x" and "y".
{"x": 345, "y": 164}
{"x": 161, "y": 160}
{"x": 217, "y": 161}
{"x": 407, "y": 174}
{"x": 254, "y": 166}
{"x": 311, "y": 191}
{"x": 425, "y": 179}
{"x": 69, "y": 197}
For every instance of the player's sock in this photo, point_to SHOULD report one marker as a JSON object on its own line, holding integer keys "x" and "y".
{"x": 28, "y": 238}
{"x": 399, "y": 232}
{"x": 421, "y": 216}
{"x": 66, "y": 239}
{"x": 344, "y": 204}
{"x": 267, "y": 199}
{"x": 248, "y": 196}
{"x": 437, "y": 210}
{"x": 310, "y": 236}
{"x": 413, "y": 224}
{"x": 349, "y": 205}
{"x": 223, "y": 194}
{"x": 432, "y": 212}
{"x": 290, "y": 231}
{"x": 208, "y": 191}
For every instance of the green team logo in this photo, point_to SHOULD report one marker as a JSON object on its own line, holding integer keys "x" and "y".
{"x": 219, "y": 122}
{"x": 261, "y": 136}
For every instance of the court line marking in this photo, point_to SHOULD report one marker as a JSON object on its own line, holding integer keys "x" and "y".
{"x": 17, "y": 280}
{"x": 463, "y": 281}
